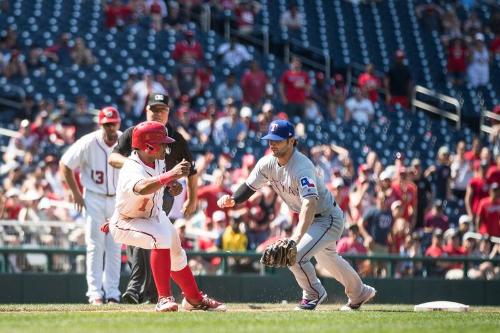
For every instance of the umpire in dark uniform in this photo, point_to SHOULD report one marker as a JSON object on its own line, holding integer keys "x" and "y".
{"x": 141, "y": 286}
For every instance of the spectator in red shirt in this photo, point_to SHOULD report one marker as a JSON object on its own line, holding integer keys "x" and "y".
{"x": 253, "y": 84}
{"x": 473, "y": 154}
{"x": 435, "y": 218}
{"x": 457, "y": 61}
{"x": 489, "y": 212}
{"x": 477, "y": 189}
{"x": 294, "y": 87}
{"x": 493, "y": 173}
{"x": 188, "y": 46}
{"x": 435, "y": 251}
{"x": 352, "y": 243}
{"x": 369, "y": 83}
{"x": 245, "y": 16}
{"x": 116, "y": 14}
{"x": 407, "y": 191}
{"x": 495, "y": 45}
{"x": 211, "y": 193}
{"x": 436, "y": 248}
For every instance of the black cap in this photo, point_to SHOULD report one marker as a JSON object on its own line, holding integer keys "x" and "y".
{"x": 158, "y": 99}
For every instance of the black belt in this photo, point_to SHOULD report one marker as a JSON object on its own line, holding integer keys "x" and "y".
{"x": 320, "y": 215}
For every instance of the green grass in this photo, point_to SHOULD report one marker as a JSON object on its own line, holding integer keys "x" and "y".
{"x": 258, "y": 318}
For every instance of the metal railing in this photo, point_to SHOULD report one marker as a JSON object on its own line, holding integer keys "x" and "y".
{"x": 391, "y": 260}
{"x": 417, "y": 102}
{"x": 488, "y": 117}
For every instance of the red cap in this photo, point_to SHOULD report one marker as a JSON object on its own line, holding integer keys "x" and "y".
{"x": 282, "y": 115}
{"x": 363, "y": 168}
{"x": 109, "y": 115}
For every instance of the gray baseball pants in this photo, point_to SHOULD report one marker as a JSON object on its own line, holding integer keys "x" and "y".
{"x": 320, "y": 242}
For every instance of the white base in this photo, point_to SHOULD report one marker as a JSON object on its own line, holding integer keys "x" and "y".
{"x": 441, "y": 306}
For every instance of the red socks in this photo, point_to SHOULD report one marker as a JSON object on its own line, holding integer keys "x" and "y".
{"x": 185, "y": 280}
{"x": 160, "y": 266}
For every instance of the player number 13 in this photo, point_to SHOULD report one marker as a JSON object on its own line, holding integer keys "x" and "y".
{"x": 97, "y": 176}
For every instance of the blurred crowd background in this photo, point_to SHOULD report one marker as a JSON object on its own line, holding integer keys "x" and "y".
{"x": 410, "y": 183}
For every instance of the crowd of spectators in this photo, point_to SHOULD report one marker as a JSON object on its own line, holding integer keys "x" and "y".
{"x": 397, "y": 208}
{"x": 471, "y": 43}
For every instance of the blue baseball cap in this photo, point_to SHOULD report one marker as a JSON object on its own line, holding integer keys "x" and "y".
{"x": 280, "y": 130}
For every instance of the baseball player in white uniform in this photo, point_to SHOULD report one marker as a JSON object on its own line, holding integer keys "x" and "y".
{"x": 90, "y": 154}
{"x": 292, "y": 175}
{"x": 139, "y": 219}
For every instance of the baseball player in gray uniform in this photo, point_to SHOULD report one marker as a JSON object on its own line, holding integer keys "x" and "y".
{"x": 292, "y": 175}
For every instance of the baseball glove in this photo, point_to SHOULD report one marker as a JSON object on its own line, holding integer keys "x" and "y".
{"x": 281, "y": 253}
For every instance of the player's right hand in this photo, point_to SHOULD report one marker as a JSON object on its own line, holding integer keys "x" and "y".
{"x": 79, "y": 203}
{"x": 181, "y": 169}
{"x": 226, "y": 201}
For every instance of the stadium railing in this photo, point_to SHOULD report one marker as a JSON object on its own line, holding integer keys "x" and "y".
{"x": 391, "y": 260}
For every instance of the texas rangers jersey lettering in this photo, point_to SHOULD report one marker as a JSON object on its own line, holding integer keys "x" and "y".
{"x": 293, "y": 182}
{"x": 130, "y": 204}
{"x": 90, "y": 153}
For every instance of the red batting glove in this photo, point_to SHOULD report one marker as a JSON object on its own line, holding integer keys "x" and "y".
{"x": 105, "y": 228}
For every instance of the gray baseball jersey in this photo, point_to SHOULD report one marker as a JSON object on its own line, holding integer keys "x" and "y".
{"x": 293, "y": 182}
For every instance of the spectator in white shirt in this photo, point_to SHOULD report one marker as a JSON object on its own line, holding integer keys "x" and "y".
{"x": 359, "y": 108}
{"x": 461, "y": 172}
{"x": 233, "y": 54}
{"x": 229, "y": 89}
{"x": 141, "y": 91}
{"x": 292, "y": 19}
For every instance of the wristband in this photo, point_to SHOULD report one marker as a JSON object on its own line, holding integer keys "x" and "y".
{"x": 165, "y": 178}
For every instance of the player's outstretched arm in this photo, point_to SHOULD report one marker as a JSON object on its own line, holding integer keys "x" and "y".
{"x": 153, "y": 184}
{"x": 242, "y": 194}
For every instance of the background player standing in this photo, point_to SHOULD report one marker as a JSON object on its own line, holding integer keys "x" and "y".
{"x": 139, "y": 219}
{"x": 90, "y": 153}
{"x": 292, "y": 175}
{"x": 141, "y": 286}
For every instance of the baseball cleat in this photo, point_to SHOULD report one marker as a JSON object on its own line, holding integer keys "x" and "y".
{"x": 306, "y": 304}
{"x": 112, "y": 301}
{"x": 166, "y": 304}
{"x": 129, "y": 298}
{"x": 97, "y": 302}
{"x": 205, "y": 304}
{"x": 368, "y": 294}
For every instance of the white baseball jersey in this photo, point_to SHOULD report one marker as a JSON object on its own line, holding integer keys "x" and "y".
{"x": 293, "y": 182}
{"x": 91, "y": 153}
{"x": 130, "y": 204}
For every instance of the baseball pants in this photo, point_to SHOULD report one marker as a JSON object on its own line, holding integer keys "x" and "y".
{"x": 320, "y": 242}
{"x": 141, "y": 283}
{"x": 103, "y": 254}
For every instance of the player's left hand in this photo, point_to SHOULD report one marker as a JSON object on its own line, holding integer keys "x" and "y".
{"x": 189, "y": 208}
{"x": 175, "y": 188}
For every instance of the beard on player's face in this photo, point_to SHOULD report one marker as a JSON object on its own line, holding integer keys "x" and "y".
{"x": 111, "y": 132}
{"x": 279, "y": 148}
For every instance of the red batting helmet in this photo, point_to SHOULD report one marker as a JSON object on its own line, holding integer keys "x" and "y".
{"x": 108, "y": 115}
{"x": 148, "y": 135}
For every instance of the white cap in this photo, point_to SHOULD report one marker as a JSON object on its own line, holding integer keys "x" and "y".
{"x": 443, "y": 150}
{"x": 337, "y": 182}
{"x": 395, "y": 204}
{"x": 218, "y": 216}
{"x": 479, "y": 36}
{"x": 267, "y": 107}
{"x": 464, "y": 219}
{"x": 179, "y": 223}
{"x": 245, "y": 112}
{"x": 385, "y": 175}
